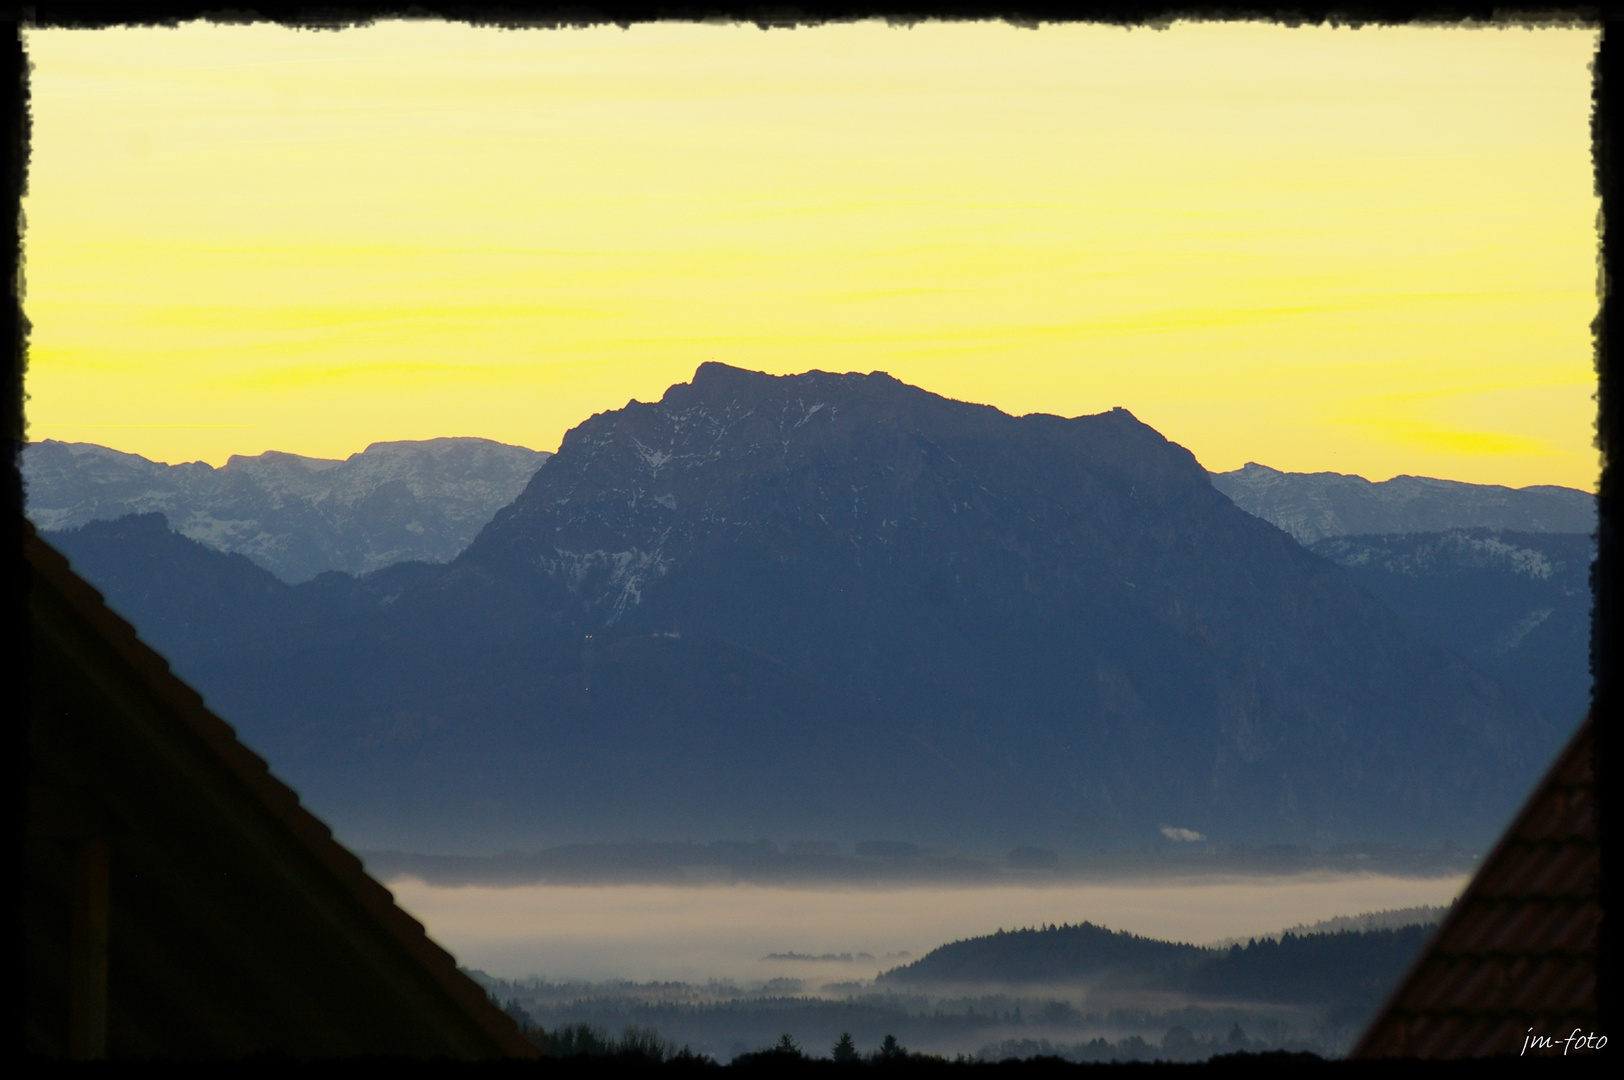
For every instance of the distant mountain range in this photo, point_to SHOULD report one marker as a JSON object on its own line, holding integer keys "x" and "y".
{"x": 426, "y": 501}
{"x": 1517, "y": 605}
{"x": 295, "y": 516}
{"x": 1314, "y": 506}
{"x": 820, "y": 863}
{"x": 1499, "y": 575}
{"x": 837, "y": 605}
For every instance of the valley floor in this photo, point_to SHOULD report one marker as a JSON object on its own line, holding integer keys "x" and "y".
{"x": 729, "y": 968}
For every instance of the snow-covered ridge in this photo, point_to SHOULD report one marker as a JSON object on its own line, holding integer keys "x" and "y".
{"x": 296, "y": 516}
{"x": 1453, "y": 550}
{"x": 1314, "y": 506}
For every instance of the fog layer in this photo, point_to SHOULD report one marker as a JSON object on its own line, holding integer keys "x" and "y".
{"x": 698, "y": 932}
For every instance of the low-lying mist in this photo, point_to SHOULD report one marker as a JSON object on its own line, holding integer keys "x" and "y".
{"x": 723, "y": 1021}
{"x": 751, "y": 934}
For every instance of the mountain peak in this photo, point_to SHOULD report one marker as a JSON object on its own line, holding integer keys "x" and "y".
{"x": 280, "y": 458}
{"x": 715, "y": 383}
{"x": 839, "y": 605}
{"x": 713, "y": 375}
{"x": 866, "y": 458}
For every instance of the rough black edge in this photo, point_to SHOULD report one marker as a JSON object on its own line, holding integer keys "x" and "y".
{"x": 14, "y": 576}
{"x": 1608, "y": 96}
{"x": 91, "y": 13}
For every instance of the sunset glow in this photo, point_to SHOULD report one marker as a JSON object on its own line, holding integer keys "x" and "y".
{"x": 1368, "y": 251}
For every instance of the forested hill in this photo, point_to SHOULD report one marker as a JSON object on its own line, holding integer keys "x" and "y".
{"x": 1047, "y": 954}
{"x": 1350, "y": 971}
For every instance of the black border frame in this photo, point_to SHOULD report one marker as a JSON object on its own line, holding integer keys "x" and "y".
{"x": 1608, "y": 328}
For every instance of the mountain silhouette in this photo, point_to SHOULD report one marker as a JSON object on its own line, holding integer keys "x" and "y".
{"x": 836, "y": 604}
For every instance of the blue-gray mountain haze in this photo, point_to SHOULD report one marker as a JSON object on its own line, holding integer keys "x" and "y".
{"x": 1314, "y": 506}
{"x": 838, "y": 605}
{"x": 295, "y": 516}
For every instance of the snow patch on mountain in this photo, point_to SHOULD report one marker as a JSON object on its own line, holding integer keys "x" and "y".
{"x": 295, "y": 516}
{"x": 609, "y": 580}
{"x": 1450, "y": 551}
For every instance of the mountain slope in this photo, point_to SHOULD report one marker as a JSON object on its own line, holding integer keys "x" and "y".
{"x": 295, "y": 516}
{"x": 1515, "y": 604}
{"x": 1313, "y": 506}
{"x": 838, "y": 605}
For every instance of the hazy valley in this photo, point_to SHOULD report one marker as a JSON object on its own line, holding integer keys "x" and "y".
{"x": 1079, "y": 990}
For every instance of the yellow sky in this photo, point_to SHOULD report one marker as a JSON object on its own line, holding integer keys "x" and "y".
{"x": 1369, "y": 251}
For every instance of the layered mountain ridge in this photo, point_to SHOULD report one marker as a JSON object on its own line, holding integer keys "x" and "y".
{"x": 1516, "y": 605}
{"x": 295, "y": 516}
{"x": 1317, "y": 506}
{"x": 837, "y": 605}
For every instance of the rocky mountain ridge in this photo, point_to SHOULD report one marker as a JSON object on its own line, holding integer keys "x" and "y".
{"x": 295, "y": 516}
{"x": 1516, "y": 605}
{"x": 1315, "y": 506}
{"x": 837, "y": 605}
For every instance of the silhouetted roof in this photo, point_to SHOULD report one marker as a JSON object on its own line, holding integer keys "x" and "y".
{"x": 230, "y": 922}
{"x": 1519, "y": 949}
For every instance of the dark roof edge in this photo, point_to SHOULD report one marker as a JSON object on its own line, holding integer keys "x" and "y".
{"x": 50, "y": 567}
{"x": 1579, "y": 743}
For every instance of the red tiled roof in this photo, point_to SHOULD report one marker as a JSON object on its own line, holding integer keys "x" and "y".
{"x": 1517, "y": 955}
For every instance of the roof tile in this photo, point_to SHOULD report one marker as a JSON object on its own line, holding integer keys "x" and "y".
{"x": 1519, "y": 948}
